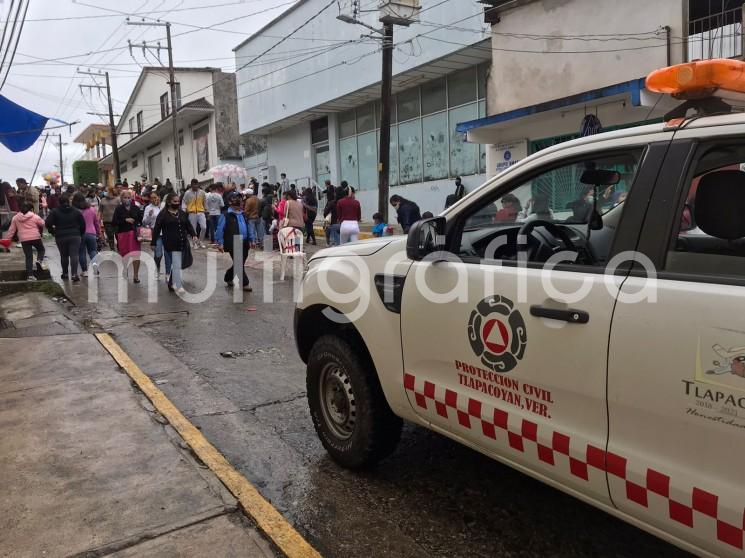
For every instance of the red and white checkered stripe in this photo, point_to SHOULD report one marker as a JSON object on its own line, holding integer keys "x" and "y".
{"x": 471, "y": 414}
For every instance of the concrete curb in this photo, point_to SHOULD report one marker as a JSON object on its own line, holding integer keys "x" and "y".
{"x": 267, "y": 518}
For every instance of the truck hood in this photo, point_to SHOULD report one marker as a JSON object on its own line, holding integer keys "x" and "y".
{"x": 360, "y": 248}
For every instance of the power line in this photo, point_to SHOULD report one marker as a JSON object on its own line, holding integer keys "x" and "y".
{"x": 12, "y": 33}
{"x": 134, "y": 14}
{"x": 5, "y": 27}
{"x": 15, "y": 47}
{"x": 196, "y": 29}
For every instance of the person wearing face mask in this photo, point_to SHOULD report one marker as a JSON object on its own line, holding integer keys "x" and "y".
{"x": 407, "y": 211}
{"x": 127, "y": 217}
{"x": 68, "y": 227}
{"x": 173, "y": 230}
{"x": 233, "y": 224}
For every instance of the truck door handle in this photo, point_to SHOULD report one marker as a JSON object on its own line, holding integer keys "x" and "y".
{"x": 569, "y": 315}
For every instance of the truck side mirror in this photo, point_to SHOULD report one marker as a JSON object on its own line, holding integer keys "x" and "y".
{"x": 425, "y": 236}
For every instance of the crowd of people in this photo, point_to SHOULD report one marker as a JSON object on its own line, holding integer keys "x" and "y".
{"x": 87, "y": 219}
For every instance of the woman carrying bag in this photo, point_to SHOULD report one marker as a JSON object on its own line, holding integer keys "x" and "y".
{"x": 173, "y": 227}
{"x": 127, "y": 218}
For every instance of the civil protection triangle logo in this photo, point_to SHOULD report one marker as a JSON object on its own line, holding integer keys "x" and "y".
{"x": 497, "y": 333}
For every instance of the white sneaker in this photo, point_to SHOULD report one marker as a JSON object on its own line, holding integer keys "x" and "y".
{"x": 30, "y": 278}
{"x": 18, "y": 245}
{"x": 84, "y": 274}
{"x": 181, "y": 291}
{"x": 201, "y": 245}
{"x": 95, "y": 268}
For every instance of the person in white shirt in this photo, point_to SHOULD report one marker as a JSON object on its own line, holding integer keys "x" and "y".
{"x": 214, "y": 203}
{"x": 284, "y": 184}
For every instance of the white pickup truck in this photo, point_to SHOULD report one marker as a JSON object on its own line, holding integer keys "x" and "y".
{"x": 580, "y": 317}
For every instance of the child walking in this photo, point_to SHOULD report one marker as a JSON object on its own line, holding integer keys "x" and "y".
{"x": 28, "y": 226}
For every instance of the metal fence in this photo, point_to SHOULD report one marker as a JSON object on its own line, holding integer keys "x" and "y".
{"x": 718, "y": 35}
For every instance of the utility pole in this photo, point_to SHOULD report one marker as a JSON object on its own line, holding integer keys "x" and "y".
{"x": 61, "y": 162}
{"x": 41, "y": 154}
{"x": 172, "y": 86}
{"x": 385, "y": 121}
{"x": 404, "y": 13}
{"x": 112, "y": 126}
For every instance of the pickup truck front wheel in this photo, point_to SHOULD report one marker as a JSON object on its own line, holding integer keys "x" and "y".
{"x": 347, "y": 405}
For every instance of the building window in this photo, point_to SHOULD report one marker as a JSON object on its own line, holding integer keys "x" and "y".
{"x": 367, "y": 148}
{"x": 122, "y": 168}
{"x": 181, "y": 138}
{"x": 425, "y": 146}
{"x": 463, "y": 156}
{"x": 201, "y": 144}
{"x": 134, "y": 163}
{"x": 131, "y": 126}
{"x": 410, "y": 148}
{"x": 433, "y": 96}
{"x": 347, "y": 124}
{"x": 140, "y": 125}
{"x": 178, "y": 95}
{"x": 435, "y": 138}
{"x": 319, "y": 130}
{"x": 366, "y": 118}
{"x": 348, "y": 156}
{"x": 462, "y": 87}
{"x": 164, "y": 108}
{"x": 408, "y": 104}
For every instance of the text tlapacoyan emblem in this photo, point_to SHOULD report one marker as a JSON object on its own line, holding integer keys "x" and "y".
{"x": 497, "y": 333}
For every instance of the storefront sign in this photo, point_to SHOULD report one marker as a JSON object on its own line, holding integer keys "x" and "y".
{"x": 508, "y": 154}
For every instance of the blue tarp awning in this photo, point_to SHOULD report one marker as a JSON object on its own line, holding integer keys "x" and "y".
{"x": 19, "y": 127}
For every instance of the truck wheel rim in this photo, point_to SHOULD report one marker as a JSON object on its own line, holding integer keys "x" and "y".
{"x": 337, "y": 401}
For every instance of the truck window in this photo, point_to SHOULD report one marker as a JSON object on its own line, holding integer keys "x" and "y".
{"x": 559, "y": 197}
{"x": 709, "y": 236}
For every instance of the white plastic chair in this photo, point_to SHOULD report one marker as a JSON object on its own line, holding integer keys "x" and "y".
{"x": 290, "y": 242}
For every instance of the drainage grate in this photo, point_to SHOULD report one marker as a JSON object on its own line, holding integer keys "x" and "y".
{"x": 6, "y": 324}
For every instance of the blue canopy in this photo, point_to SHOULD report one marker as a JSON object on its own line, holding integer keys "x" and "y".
{"x": 19, "y": 127}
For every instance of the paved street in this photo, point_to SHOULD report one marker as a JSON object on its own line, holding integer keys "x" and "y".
{"x": 433, "y": 497}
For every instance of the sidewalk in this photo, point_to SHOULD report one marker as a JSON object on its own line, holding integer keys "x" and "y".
{"x": 87, "y": 467}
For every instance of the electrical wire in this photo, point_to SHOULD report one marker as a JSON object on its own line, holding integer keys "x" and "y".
{"x": 5, "y": 27}
{"x": 15, "y": 47}
{"x": 12, "y": 33}
{"x": 136, "y": 14}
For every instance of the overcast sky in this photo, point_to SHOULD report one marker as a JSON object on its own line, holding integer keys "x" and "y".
{"x": 50, "y": 87}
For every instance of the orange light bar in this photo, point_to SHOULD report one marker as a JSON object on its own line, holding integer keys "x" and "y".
{"x": 699, "y": 78}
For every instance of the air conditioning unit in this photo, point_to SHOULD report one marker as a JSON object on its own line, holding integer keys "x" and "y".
{"x": 399, "y": 12}
{"x": 268, "y": 174}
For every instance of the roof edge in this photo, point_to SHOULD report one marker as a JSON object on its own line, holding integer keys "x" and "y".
{"x": 256, "y": 34}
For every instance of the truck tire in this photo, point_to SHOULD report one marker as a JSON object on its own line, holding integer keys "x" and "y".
{"x": 347, "y": 405}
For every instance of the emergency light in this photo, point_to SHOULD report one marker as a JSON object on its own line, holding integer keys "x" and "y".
{"x": 703, "y": 78}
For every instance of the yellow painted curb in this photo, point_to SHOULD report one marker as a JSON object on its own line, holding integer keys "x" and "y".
{"x": 268, "y": 519}
{"x": 363, "y": 235}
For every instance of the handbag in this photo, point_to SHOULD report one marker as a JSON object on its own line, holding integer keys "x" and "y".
{"x": 187, "y": 258}
{"x": 144, "y": 234}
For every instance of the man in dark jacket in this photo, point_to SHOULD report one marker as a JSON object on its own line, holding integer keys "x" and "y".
{"x": 233, "y": 223}
{"x": 407, "y": 212}
{"x": 266, "y": 209}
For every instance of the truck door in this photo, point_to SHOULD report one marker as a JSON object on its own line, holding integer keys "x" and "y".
{"x": 504, "y": 357}
{"x": 676, "y": 387}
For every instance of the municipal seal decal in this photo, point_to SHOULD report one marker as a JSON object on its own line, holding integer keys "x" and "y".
{"x": 497, "y": 333}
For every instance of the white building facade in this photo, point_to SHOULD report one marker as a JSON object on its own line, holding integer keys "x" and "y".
{"x": 206, "y": 121}
{"x": 310, "y": 107}
{"x": 556, "y": 63}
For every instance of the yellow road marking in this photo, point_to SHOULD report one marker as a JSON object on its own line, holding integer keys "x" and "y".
{"x": 363, "y": 235}
{"x": 269, "y": 520}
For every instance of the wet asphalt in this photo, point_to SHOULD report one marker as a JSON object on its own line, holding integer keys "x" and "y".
{"x": 432, "y": 497}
